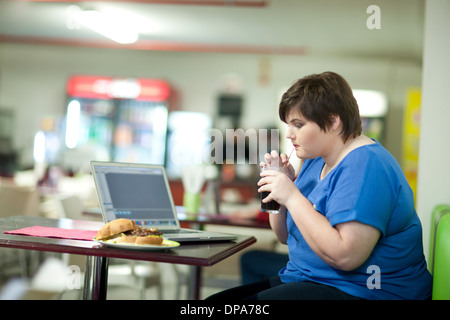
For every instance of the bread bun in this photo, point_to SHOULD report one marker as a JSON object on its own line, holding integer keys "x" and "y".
{"x": 126, "y": 239}
{"x": 149, "y": 240}
{"x": 155, "y": 240}
{"x": 115, "y": 227}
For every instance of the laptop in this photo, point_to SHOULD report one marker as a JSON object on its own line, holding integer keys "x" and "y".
{"x": 141, "y": 192}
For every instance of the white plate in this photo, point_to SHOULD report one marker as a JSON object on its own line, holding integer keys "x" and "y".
{"x": 166, "y": 244}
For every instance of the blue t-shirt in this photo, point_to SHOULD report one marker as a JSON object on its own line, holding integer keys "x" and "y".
{"x": 367, "y": 186}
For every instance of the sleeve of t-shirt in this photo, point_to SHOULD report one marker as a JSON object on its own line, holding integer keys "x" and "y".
{"x": 360, "y": 190}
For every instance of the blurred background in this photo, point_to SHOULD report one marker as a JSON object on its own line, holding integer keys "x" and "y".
{"x": 202, "y": 51}
{"x": 147, "y": 81}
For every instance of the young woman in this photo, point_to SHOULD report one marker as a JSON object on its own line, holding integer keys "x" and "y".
{"x": 348, "y": 218}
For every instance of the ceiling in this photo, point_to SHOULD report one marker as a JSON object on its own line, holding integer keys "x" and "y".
{"x": 291, "y": 27}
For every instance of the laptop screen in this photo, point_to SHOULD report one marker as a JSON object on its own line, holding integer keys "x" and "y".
{"x": 138, "y": 192}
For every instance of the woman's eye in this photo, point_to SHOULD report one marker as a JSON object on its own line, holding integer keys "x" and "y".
{"x": 296, "y": 124}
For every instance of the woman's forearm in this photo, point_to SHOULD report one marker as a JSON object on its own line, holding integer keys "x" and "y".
{"x": 278, "y": 225}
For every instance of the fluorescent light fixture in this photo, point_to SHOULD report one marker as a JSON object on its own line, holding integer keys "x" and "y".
{"x": 39, "y": 147}
{"x": 159, "y": 133}
{"x": 371, "y": 103}
{"x": 72, "y": 124}
{"x": 114, "y": 27}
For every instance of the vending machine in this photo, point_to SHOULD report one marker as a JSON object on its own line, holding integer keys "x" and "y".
{"x": 116, "y": 119}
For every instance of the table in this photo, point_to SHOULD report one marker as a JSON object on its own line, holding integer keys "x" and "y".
{"x": 95, "y": 286}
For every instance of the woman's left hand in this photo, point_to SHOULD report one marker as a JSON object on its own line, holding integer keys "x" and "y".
{"x": 278, "y": 184}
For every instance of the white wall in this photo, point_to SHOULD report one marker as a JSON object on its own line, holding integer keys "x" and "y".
{"x": 434, "y": 151}
{"x": 33, "y": 78}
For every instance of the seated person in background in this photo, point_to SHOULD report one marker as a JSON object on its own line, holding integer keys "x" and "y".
{"x": 348, "y": 218}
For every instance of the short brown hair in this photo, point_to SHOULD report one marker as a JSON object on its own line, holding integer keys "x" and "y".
{"x": 318, "y": 97}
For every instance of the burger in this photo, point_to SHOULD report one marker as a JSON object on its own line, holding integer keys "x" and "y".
{"x": 127, "y": 231}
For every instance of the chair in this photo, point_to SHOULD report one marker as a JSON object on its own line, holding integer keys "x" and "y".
{"x": 72, "y": 207}
{"x": 436, "y": 214}
{"x": 17, "y": 200}
{"x": 143, "y": 274}
{"x": 440, "y": 253}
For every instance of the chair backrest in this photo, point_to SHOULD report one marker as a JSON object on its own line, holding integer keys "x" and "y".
{"x": 438, "y": 211}
{"x": 441, "y": 261}
{"x": 72, "y": 206}
{"x": 16, "y": 200}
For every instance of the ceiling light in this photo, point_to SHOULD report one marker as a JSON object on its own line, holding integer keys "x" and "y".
{"x": 113, "y": 27}
{"x": 39, "y": 147}
{"x": 72, "y": 124}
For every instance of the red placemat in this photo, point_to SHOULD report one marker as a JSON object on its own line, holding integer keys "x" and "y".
{"x": 52, "y": 232}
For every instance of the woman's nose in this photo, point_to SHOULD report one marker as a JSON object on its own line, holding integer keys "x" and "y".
{"x": 289, "y": 133}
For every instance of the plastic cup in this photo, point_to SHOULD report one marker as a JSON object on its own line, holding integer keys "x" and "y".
{"x": 191, "y": 203}
{"x": 271, "y": 206}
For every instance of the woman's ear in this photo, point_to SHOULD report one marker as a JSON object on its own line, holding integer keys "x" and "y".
{"x": 335, "y": 122}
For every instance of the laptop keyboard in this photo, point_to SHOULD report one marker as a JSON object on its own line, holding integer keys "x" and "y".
{"x": 179, "y": 231}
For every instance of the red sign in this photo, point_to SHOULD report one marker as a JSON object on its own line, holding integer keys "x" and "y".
{"x": 95, "y": 87}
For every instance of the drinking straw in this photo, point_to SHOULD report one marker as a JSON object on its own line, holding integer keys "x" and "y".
{"x": 284, "y": 165}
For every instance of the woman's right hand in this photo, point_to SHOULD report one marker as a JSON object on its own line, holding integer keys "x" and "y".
{"x": 276, "y": 160}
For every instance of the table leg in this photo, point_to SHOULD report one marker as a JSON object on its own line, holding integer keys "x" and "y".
{"x": 194, "y": 283}
{"x": 96, "y": 278}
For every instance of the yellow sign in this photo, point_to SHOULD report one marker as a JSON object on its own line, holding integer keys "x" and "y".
{"x": 411, "y": 134}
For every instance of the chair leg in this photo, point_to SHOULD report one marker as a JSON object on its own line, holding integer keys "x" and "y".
{"x": 181, "y": 279}
{"x": 143, "y": 294}
{"x": 24, "y": 261}
{"x": 160, "y": 294}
